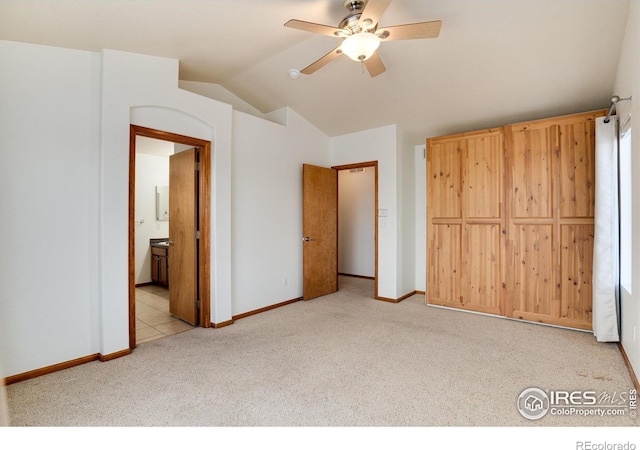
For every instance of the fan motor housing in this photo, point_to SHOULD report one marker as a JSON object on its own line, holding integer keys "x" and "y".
{"x": 350, "y": 22}
{"x": 355, "y": 5}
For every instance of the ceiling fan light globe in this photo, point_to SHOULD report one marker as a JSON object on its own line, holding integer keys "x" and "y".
{"x": 360, "y": 46}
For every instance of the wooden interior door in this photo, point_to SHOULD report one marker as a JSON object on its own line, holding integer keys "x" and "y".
{"x": 183, "y": 225}
{"x": 320, "y": 231}
{"x": 465, "y": 221}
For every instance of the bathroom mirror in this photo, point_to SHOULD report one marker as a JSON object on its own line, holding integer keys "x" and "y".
{"x": 162, "y": 202}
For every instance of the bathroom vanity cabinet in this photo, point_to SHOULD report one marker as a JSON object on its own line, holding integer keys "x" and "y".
{"x": 160, "y": 263}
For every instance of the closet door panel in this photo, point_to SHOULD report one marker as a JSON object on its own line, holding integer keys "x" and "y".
{"x": 444, "y": 221}
{"x": 444, "y": 265}
{"x": 532, "y": 172}
{"x": 576, "y": 262}
{"x": 482, "y": 177}
{"x": 577, "y": 170}
{"x": 533, "y": 290}
{"x": 444, "y": 168}
{"x": 481, "y": 269}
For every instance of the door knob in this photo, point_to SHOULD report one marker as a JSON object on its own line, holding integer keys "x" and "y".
{"x": 307, "y": 239}
{"x": 170, "y": 242}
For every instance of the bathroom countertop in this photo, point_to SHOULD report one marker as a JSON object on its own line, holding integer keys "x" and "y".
{"x": 162, "y": 243}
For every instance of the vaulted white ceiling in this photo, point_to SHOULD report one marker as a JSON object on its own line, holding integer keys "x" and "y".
{"x": 495, "y": 62}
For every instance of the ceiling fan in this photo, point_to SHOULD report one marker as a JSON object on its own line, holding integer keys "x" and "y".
{"x": 361, "y": 35}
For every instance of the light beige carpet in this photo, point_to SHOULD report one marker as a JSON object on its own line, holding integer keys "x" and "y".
{"x": 340, "y": 360}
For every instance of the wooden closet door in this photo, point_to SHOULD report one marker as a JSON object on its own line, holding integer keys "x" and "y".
{"x": 465, "y": 221}
{"x": 444, "y": 221}
{"x": 483, "y": 222}
{"x": 533, "y": 290}
{"x": 550, "y": 182}
{"x": 576, "y": 203}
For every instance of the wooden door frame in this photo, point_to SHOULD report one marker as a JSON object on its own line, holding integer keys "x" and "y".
{"x": 204, "y": 224}
{"x": 373, "y": 164}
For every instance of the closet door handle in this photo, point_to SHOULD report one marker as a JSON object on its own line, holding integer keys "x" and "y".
{"x": 307, "y": 239}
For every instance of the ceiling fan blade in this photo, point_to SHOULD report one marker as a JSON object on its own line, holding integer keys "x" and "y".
{"x": 316, "y": 28}
{"x": 373, "y": 10}
{"x": 374, "y": 65}
{"x": 326, "y": 59}
{"x": 422, "y": 30}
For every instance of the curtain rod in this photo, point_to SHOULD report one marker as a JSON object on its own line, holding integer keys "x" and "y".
{"x": 614, "y": 100}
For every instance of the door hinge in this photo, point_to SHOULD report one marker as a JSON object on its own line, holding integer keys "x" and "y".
{"x": 198, "y": 304}
{"x": 198, "y": 166}
{"x": 198, "y": 234}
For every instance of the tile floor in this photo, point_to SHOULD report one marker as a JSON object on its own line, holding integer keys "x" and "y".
{"x": 153, "y": 320}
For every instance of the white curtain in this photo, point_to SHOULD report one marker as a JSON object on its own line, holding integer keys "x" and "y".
{"x": 606, "y": 238}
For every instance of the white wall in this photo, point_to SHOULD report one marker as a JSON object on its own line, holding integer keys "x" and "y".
{"x": 267, "y": 206}
{"x": 217, "y": 92}
{"x": 49, "y": 184}
{"x": 356, "y": 222}
{"x": 628, "y": 84}
{"x": 151, "y": 171}
{"x": 64, "y": 136}
{"x": 420, "y": 166}
{"x": 379, "y": 144}
{"x": 407, "y": 219}
{"x": 142, "y": 90}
